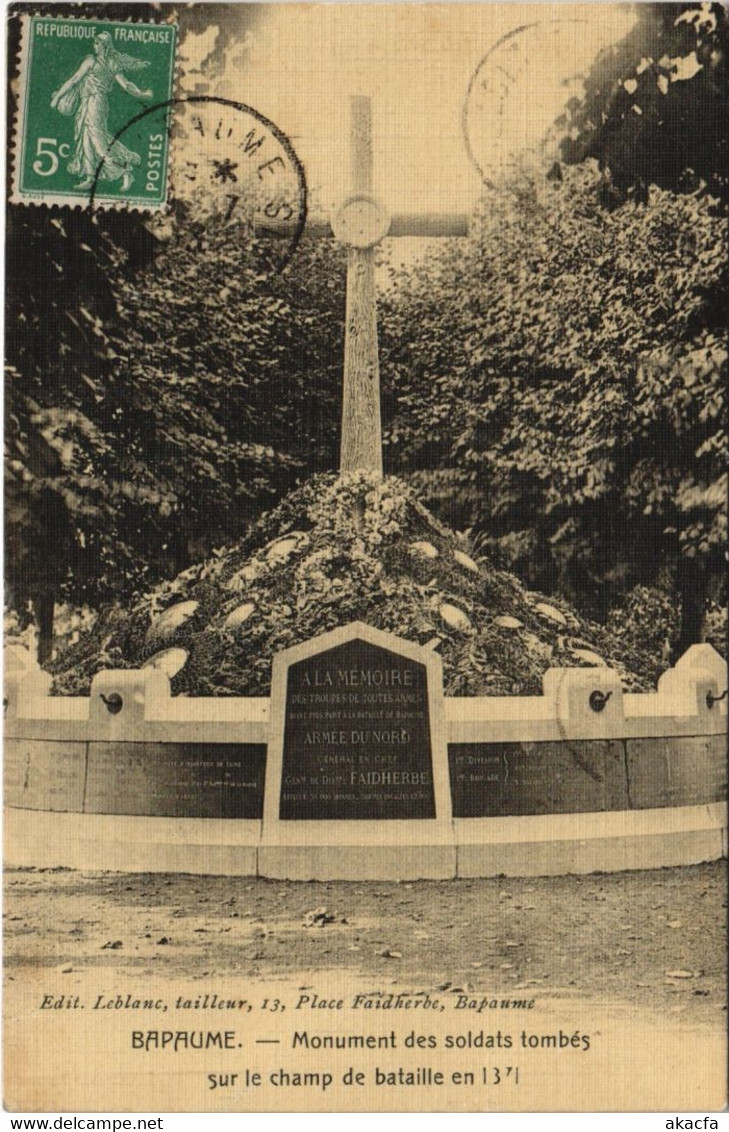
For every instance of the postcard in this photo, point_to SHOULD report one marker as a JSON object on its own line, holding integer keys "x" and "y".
{"x": 365, "y": 681}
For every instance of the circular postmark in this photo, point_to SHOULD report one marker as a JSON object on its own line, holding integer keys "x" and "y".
{"x": 517, "y": 103}
{"x": 218, "y": 165}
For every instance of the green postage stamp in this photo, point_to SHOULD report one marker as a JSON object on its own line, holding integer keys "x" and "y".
{"x": 89, "y": 126}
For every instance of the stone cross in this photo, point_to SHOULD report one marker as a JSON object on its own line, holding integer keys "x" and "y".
{"x": 361, "y": 222}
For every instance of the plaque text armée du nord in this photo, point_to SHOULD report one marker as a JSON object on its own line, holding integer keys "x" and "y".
{"x": 357, "y": 740}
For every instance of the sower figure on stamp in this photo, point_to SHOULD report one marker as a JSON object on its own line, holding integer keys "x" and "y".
{"x": 86, "y": 95}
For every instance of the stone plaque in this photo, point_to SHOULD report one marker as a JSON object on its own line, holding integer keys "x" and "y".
{"x": 576, "y": 776}
{"x": 190, "y": 780}
{"x": 357, "y": 736}
{"x": 45, "y": 775}
{"x": 677, "y": 771}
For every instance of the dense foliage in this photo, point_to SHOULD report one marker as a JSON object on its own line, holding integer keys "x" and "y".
{"x": 183, "y": 399}
{"x": 336, "y": 551}
{"x": 555, "y": 384}
{"x": 152, "y": 403}
{"x": 60, "y": 311}
{"x": 559, "y": 384}
{"x": 655, "y": 105}
{"x": 234, "y": 378}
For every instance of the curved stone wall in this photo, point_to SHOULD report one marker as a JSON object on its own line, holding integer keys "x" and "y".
{"x": 647, "y": 771}
{"x": 226, "y": 780}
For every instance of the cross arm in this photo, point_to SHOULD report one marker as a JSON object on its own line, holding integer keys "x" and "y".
{"x": 428, "y": 225}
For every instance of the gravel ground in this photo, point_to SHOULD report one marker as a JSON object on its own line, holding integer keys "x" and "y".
{"x": 655, "y": 940}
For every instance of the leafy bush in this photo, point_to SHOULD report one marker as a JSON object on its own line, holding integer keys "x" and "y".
{"x": 559, "y": 384}
{"x": 336, "y": 551}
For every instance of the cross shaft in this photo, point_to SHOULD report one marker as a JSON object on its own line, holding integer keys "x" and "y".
{"x": 361, "y": 443}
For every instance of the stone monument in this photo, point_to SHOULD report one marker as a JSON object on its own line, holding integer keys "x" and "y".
{"x": 357, "y": 777}
{"x": 358, "y": 767}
